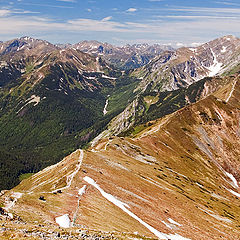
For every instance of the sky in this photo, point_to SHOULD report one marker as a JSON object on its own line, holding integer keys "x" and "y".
{"x": 172, "y": 22}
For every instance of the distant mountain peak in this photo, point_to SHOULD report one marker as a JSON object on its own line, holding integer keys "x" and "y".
{"x": 124, "y": 57}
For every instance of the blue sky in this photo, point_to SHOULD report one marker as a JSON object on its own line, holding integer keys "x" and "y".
{"x": 119, "y": 22}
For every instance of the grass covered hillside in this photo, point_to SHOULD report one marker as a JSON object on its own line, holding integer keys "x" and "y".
{"x": 52, "y": 104}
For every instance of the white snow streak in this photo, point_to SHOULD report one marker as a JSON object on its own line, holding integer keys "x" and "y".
{"x": 167, "y": 225}
{"x": 230, "y": 94}
{"x": 234, "y": 180}
{"x": 234, "y": 193}
{"x": 214, "y": 215}
{"x": 105, "y": 76}
{"x": 219, "y": 114}
{"x": 215, "y": 67}
{"x": 105, "y": 108}
{"x": 173, "y": 222}
{"x": 123, "y": 206}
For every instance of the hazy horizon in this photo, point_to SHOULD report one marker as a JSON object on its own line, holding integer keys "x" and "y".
{"x": 120, "y": 22}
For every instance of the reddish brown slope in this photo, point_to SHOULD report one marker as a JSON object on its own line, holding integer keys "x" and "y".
{"x": 183, "y": 168}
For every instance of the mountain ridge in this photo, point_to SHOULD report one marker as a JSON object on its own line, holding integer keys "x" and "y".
{"x": 170, "y": 72}
{"x": 201, "y": 180}
{"x": 79, "y": 96}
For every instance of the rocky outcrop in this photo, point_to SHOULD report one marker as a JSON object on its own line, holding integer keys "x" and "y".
{"x": 180, "y": 68}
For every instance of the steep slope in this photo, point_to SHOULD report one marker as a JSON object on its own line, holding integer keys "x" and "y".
{"x": 18, "y": 56}
{"x": 51, "y": 102}
{"x": 150, "y": 105}
{"x": 177, "y": 179}
{"x": 174, "y": 69}
{"x": 176, "y": 78}
{"x": 126, "y": 57}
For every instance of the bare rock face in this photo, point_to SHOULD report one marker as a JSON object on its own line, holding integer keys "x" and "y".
{"x": 125, "y": 57}
{"x": 175, "y": 69}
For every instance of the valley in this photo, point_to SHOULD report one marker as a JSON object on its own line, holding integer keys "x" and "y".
{"x": 154, "y": 150}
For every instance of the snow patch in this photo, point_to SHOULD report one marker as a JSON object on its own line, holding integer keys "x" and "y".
{"x": 90, "y": 78}
{"x": 63, "y": 221}
{"x": 123, "y": 206}
{"x": 219, "y": 114}
{"x": 230, "y": 94}
{"x": 193, "y": 49}
{"x": 105, "y": 76}
{"x": 34, "y": 99}
{"x": 108, "y": 196}
{"x": 224, "y": 49}
{"x": 215, "y": 68}
{"x": 10, "y": 215}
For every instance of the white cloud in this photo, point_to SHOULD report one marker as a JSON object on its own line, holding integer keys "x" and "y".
{"x": 187, "y": 30}
{"x": 228, "y": 3}
{"x": 4, "y": 12}
{"x": 198, "y": 17}
{"x": 210, "y": 11}
{"x": 45, "y": 5}
{"x": 131, "y": 10}
{"x": 180, "y": 44}
{"x": 89, "y": 10}
{"x": 107, "y": 18}
{"x": 124, "y": 41}
{"x": 196, "y": 44}
{"x": 73, "y": 1}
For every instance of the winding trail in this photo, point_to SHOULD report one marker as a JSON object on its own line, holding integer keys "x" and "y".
{"x": 71, "y": 176}
{"x": 80, "y": 193}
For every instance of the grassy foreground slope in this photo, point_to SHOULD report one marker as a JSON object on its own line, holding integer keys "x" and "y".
{"x": 180, "y": 176}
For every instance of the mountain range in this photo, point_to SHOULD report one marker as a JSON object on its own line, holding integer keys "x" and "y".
{"x": 157, "y": 141}
{"x": 124, "y": 58}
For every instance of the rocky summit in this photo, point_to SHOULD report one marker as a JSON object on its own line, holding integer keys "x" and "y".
{"x": 102, "y": 153}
